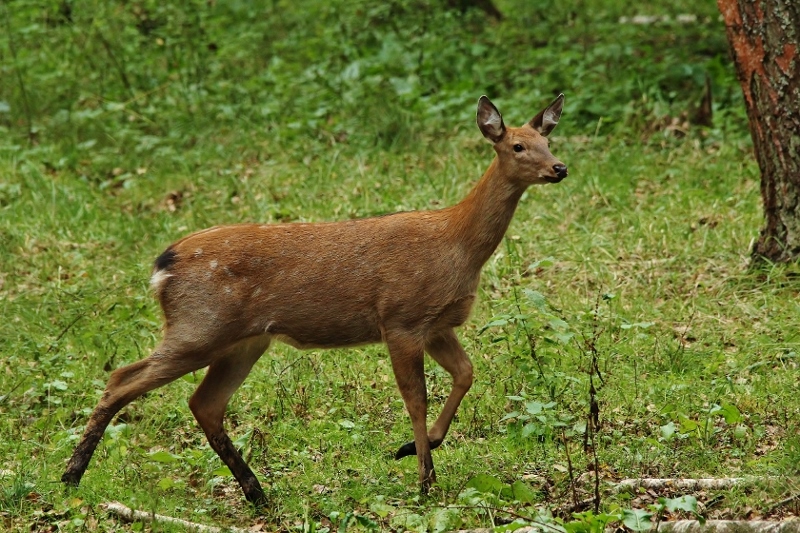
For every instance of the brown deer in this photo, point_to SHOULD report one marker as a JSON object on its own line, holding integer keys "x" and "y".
{"x": 406, "y": 279}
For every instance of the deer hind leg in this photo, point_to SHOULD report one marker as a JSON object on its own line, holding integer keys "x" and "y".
{"x": 448, "y": 352}
{"x": 125, "y": 385}
{"x": 210, "y": 400}
{"x": 408, "y": 359}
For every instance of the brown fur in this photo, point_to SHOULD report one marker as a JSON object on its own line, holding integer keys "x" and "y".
{"x": 405, "y": 279}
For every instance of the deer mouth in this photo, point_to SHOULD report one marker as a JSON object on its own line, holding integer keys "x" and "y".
{"x": 554, "y": 179}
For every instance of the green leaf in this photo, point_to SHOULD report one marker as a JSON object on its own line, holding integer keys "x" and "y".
{"x": 57, "y": 384}
{"x": 730, "y": 413}
{"x": 365, "y": 521}
{"x": 542, "y": 263}
{"x": 493, "y": 324}
{"x": 472, "y": 497}
{"x": 588, "y": 522}
{"x": 536, "y": 298}
{"x": 640, "y": 325}
{"x": 191, "y": 377}
{"x": 408, "y": 521}
{"x": 637, "y": 519}
{"x": 518, "y": 524}
{"x": 528, "y": 430}
{"x": 163, "y": 457}
{"x": 486, "y": 484}
{"x": 563, "y": 338}
{"x": 684, "y": 503}
{"x": 166, "y": 484}
{"x": 445, "y": 520}
{"x": 534, "y": 407}
{"x": 382, "y": 509}
{"x": 521, "y": 492}
{"x": 242, "y": 441}
{"x": 344, "y": 522}
{"x": 347, "y": 424}
{"x": 512, "y": 414}
{"x": 115, "y": 430}
{"x": 668, "y": 430}
{"x": 222, "y": 471}
{"x": 687, "y": 424}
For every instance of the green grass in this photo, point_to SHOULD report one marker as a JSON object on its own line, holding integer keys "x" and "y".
{"x": 328, "y": 113}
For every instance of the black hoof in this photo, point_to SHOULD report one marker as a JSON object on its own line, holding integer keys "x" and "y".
{"x": 406, "y": 449}
{"x": 71, "y": 480}
{"x": 257, "y": 500}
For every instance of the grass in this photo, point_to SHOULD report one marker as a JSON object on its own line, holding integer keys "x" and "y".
{"x": 640, "y": 257}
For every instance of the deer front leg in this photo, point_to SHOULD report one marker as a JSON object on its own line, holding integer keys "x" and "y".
{"x": 448, "y": 352}
{"x": 407, "y": 357}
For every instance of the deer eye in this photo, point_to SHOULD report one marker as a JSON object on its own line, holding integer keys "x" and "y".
{"x": 518, "y": 148}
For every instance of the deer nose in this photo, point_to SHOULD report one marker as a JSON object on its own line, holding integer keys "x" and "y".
{"x": 561, "y": 170}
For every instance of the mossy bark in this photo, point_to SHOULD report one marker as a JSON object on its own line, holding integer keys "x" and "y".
{"x": 765, "y": 36}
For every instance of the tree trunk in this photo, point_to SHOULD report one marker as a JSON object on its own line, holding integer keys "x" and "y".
{"x": 764, "y": 36}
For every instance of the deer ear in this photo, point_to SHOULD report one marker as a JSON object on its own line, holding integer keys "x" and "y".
{"x": 547, "y": 119}
{"x": 490, "y": 121}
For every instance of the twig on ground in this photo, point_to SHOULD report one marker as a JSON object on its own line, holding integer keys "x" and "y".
{"x": 131, "y": 515}
{"x": 785, "y": 501}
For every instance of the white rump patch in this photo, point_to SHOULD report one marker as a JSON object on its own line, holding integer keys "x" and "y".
{"x": 158, "y": 278}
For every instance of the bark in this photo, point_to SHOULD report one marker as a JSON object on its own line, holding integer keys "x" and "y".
{"x": 764, "y": 36}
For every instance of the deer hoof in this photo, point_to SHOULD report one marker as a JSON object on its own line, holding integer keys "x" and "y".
{"x": 409, "y": 448}
{"x": 257, "y": 498}
{"x": 427, "y": 483}
{"x": 71, "y": 479}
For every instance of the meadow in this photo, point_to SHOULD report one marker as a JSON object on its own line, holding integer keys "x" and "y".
{"x": 620, "y": 331}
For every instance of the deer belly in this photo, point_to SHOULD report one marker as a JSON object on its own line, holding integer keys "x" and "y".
{"x": 325, "y": 331}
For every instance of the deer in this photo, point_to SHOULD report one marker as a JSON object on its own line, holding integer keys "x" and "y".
{"x": 406, "y": 279}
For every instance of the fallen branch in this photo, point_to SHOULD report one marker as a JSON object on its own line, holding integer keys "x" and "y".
{"x": 131, "y": 515}
{"x": 785, "y": 501}
{"x": 731, "y": 526}
{"x": 684, "y": 484}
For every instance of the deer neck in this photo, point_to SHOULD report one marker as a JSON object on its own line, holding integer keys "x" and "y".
{"x": 482, "y": 218}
